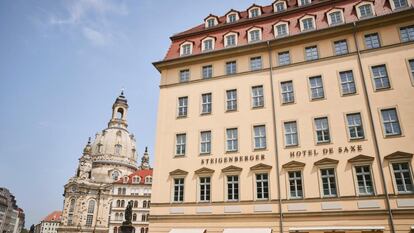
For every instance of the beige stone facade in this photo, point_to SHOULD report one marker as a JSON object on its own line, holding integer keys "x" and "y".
{"x": 322, "y": 142}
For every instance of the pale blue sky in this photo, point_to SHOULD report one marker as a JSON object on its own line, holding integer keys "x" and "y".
{"x": 62, "y": 64}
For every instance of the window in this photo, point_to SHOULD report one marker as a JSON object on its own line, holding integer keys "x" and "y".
{"x": 255, "y": 63}
{"x": 280, "y": 6}
{"x": 364, "y": 180}
{"x": 182, "y": 106}
{"x": 211, "y": 22}
{"x": 402, "y": 175}
{"x": 233, "y": 188}
{"x": 232, "y": 18}
{"x": 291, "y": 133}
{"x": 304, "y": 2}
{"x": 180, "y": 144}
{"x": 206, "y": 103}
{"x": 186, "y": 49}
{"x": 259, "y": 137}
{"x": 232, "y": 139}
{"x": 407, "y": 33}
{"x": 335, "y": 17}
{"x": 281, "y": 30}
{"x": 204, "y": 188}
{"x": 328, "y": 182}
{"x": 365, "y": 10}
{"x": 308, "y": 24}
{"x": 284, "y": 58}
{"x": 178, "y": 189}
{"x": 311, "y": 53}
{"x": 71, "y": 210}
{"x": 148, "y": 180}
{"x": 184, "y": 75}
{"x": 399, "y": 4}
{"x": 316, "y": 87}
{"x": 115, "y": 175}
{"x": 390, "y": 122}
{"x": 254, "y": 35}
{"x": 347, "y": 82}
{"x": 341, "y": 47}
{"x": 134, "y": 217}
{"x": 380, "y": 77}
{"x": 287, "y": 92}
{"x": 208, "y": 45}
{"x": 231, "y": 40}
{"x": 231, "y": 102}
{"x": 355, "y": 129}
{"x": 207, "y": 71}
{"x": 91, "y": 211}
{"x": 136, "y": 179}
{"x": 118, "y": 149}
{"x": 254, "y": 12}
{"x": 295, "y": 184}
{"x": 411, "y": 64}
{"x": 262, "y": 186}
{"x": 322, "y": 130}
{"x": 257, "y": 97}
{"x": 205, "y": 144}
{"x": 231, "y": 67}
{"x": 372, "y": 41}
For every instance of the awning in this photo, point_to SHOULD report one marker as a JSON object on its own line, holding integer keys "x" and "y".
{"x": 247, "y": 230}
{"x": 188, "y": 230}
{"x": 337, "y": 228}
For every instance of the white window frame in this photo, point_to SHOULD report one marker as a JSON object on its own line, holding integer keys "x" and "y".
{"x": 295, "y": 179}
{"x": 382, "y": 76}
{"x": 182, "y": 144}
{"x": 301, "y": 4}
{"x": 232, "y": 13}
{"x": 207, "y": 20}
{"x": 181, "y": 188}
{"x": 182, "y": 48}
{"x": 365, "y": 3}
{"x": 235, "y": 39}
{"x": 397, "y": 121}
{"x": 291, "y": 133}
{"x": 321, "y": 180}
{"x": 231, "y": 63}
{"x": 322, "y": 130}
{"x": 259, "y": 103}
{"x": 410, "y": 170}
{"x": 262, "y": 180}
{"x": 354, "y": 166}
{"x": 207, "y": 71}
{"x": 234, "y": 140}
{"x": 233, "y": 183}
{"x": 302, "y": 27}
{"x": 287, "y": 92}
{"x": 206, "y": 141}
{"x": 328, "y": 15}
{"x": 249, "y": 35}
{"x": 261, "y": 137}
{"x": 213, "y": 42}
{"x": 355, "y": 126}
{"x": 202, "y": 197}
{"x": 278, "y": 2}
{"x": 259, "y": 12}
{"x": 232, "y": 101}
{"x": 187, "y": 76}
{"x": 407, "y": 2}
{"x": 182, "y": 110}
{"x": 347, "y": 82}
{"x": 318, "y": 87}
{"x": 275, "y": 31}
{"x": 207, "y": 104}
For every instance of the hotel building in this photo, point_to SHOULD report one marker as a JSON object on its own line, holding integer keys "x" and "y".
{"x": 292, "y": 117}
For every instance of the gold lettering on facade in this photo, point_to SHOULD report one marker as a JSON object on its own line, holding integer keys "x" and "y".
{"x": 233, "y": 159}
{"x": 326, "y": 151}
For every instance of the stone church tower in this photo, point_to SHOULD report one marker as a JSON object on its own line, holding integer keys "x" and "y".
{"x": 110, "y": 156}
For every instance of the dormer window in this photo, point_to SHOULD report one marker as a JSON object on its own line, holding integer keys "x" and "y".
{"x": 210, "y": 21}
{"x": 254, "y": 12}
{"x": 335, "y": 17}
{"x": 186, "y": 48}
{"x": 365, "y": 10}
{"x": 136, "y": 179}
{"x": 231, "y": 18}
{"x": 304, "y": 2}
{"x": 125, "y": 179}
{"x": 255, "y": 34}
{"x": 279, "y": 6}
{"x": 207, "y": 44}
{"x": 230, "y": 39}
{"x": 307, "y": 23}
{"x": 398, "y": 4}
{"x": 148, "y": 180}
{"x": 281, "y": 29}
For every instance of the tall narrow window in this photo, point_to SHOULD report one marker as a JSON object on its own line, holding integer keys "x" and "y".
{"x": 231, "y": 67}
{"x": 257, "y": 97}
{"x": 231, "y": 101}
{"x": 287, "y": 92}
{"x": 291, "y": 133}
{"x": 380, "y": 77}
{"x": 233, "y": 188}
{"x": 341, "y": 47}
{"x": 207, "y": 71}
{"x": 328, "y": 182}
{"x": 407, "y": 33}
{"x": 118, "y": 149}
{"x": 295, "y": 184}
{"x": 390, "y": 122}
{"x": 206, "y": 103}
{"x": 322, "y": 130}
{"x": 372, "y": 41}
{"x": 311, "y": 53}
{"x": 182, "y": 106}
{"x": 411, "y": 64}
{"x": 336, "y": 17}
{"x": 256, "y": 63}
{"x": 316, "y": 87}
{"x": 180, "y": 144}
{"x": 179, "y": 190}
{"x": 262, "y": 186}
{"x": 355, "y": 129}
{"x": 284, "y": 58}
{"x": 363, "y": 174}
{"x": 205, "y": 144}
{"x": 91, "y": 211}
{"x": 365, "y": 10}
{"x": 259, "y": 137}
{"x": 71, "y": 210}
{"x": 204, "y": 188}
{"x": 184, "y": 75}
{"x": 347, "y": 82}
{"x": 232, "y": 139}
{"x": 402, "y": 175}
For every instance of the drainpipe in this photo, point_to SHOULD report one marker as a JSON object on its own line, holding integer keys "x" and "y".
{"x": 275, "y": 138}
{"x": 374, "y": 133}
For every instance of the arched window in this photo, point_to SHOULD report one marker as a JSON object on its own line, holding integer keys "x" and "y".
{"x": 148, "y": 204}
{"x": 134, "y": 217}
{"x": 142, "y": 230}
{"x": 118, "y": 148}
{"x": 121, "y": 216}
{"x": 147, "y": 217}
{"x": 122, "y": 203}
{"x": 115, "y": 229}
{"x": 148, "y": 180}
{"x": 144, "y": 204}
{"x": 71, "y": 210}
{"x": 91, "y": 210}
{"x": 117, "y": 216}
{"x": 143, "y": 218}
{"x": 119, "y": 113}
{"x": 146, "y": 230}
{"x": 118, "y": 203}
{"x": 135, "y": 204}
{"x": 124, "y": 191}
{"x": 136, "y": 179}
{"x": 115, "y": 175}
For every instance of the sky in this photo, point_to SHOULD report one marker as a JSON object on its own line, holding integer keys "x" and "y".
{"x": 62, "y": 64}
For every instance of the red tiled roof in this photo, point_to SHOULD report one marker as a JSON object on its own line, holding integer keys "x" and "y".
{"x": 266, "y": 20}
{"x": 140, "y": 173}
{"x": 55, "y": 216}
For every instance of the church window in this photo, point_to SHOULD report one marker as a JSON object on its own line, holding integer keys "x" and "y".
{"x": 71, "y": 210}
{"x": 119, "y": 113}
{"x": 135, "y": 204}
{"x": 118, "y": 149}
{"x": 134, "y": 217}
{"x": 91, "y": 210}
